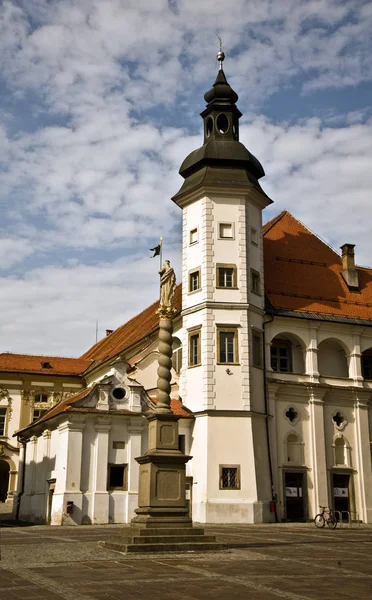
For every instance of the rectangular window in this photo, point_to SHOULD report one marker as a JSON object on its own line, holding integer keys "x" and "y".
{"x": 118, "y": 445}
{"x": 194, "y": 281}
{"x": 229, "y": 477}
{"x": 256, "y": 349}
{"x": 227, "y": 342}
{"x": 194, "y": 349}
{"x": 41, "y": 398}
{"x": 2, "y": 420}
{"x": 38, "y": 413}
{"x": 226, "y": 276}
{"x": 117, "y": 477}
{"x": 280, "y": 353}
{"x": 226, "y": 231}
{"x": 194, "y": 237}
{"x": 254, "y": 236}
{"x": 255, "y": 282}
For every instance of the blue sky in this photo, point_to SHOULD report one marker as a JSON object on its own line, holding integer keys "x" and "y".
{"x": 99, "y": 105}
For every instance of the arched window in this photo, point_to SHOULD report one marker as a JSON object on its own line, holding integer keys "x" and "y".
{"x": 332, "y": 360}
{"x": 287, "y": 354}
{"x": 367, "y": 364}
{"x": 341, "y": 452}
{"x": 293, "y": 448}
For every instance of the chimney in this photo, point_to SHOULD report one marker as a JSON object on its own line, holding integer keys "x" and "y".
{"x": 109, "y": 332}
{"x": 349, "y": 271}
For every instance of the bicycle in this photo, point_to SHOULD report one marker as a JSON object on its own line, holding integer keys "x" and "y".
{"x": 324, "y": 517}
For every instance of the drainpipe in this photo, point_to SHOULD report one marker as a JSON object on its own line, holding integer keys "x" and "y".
{"x": 273, "y": 495}
{"x": 22, "y": 466}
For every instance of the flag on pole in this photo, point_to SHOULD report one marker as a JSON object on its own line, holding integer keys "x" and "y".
{"x": 156, "y": 251}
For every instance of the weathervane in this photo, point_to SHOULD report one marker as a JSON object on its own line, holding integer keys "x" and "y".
{"x": 221, "y": 54}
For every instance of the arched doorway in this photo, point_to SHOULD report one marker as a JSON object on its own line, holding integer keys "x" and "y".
{"x": 4, "y": 480}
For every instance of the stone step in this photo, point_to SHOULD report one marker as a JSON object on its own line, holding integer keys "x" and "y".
{"x": 192, "y": 546}
{"x": 169, "y": 539}
{"x": 175, "y": 531}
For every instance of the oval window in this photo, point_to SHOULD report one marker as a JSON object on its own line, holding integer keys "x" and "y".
{"x": 118, "y": 393}
{"x": 222, "y": 123}
{"x": 209, "y": 127}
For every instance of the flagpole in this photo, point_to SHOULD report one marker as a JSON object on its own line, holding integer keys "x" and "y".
{"x": 161, "y": 253}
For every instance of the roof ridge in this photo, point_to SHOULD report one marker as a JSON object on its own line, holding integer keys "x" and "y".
{"x": 266, "y": 228}
{"x": 44, "y": 356}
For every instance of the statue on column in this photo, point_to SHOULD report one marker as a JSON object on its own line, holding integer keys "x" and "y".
{"x": 167, "y": 285}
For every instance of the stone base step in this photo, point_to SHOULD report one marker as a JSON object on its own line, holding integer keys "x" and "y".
{"x": 170, "y": 539}
{"x": 191, "y": 546}
{"x": 174, "y": 531}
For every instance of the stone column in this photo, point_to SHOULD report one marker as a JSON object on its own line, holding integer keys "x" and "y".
{"x": 162, "y": 489}
{"x": 100, "y": 495}
{"x": 312, "y": 356}
{"x": 319, "y": 495}
{"x": 355, "y": 367}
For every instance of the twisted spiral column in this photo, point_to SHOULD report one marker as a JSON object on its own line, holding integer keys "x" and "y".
{"x": 165, "y": 364}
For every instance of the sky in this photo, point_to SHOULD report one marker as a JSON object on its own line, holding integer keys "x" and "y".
{"x": 100, "y": 104}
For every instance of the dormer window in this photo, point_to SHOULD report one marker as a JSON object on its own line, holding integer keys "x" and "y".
{"x": 46, "y": 365}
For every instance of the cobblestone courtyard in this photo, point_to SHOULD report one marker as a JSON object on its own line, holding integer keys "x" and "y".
{"x": 295, "y": 562}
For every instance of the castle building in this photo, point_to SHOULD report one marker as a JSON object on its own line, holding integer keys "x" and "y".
{"x": 272, "y": 367}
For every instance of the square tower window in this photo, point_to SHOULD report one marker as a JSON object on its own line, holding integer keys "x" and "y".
{"x": 194, "y": 281}
{"x": 229, "y": 477}
{"x": 226, "y": 276}
{"x": 194, "y": 349}
{"x": 227, "y": 346}
{"x": 226, "y": 231}
{"x": 194, "y": 236}
{"x": 255, "y": 282}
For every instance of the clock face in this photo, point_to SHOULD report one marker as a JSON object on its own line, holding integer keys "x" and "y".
{"x": 119, "y": 394}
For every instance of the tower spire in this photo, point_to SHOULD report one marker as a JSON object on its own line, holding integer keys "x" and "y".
{"x": 220, "y": 54}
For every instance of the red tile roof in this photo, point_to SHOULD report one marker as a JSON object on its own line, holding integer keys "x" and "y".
{"x": 134, "y": 330}
{"x": 25, "y": 363}
{"x": 177, "y": 408}
{"x": 303, "y": 274}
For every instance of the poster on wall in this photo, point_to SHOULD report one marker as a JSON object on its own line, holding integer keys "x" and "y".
{"x": 340, "y": 492}
{"x": 293, "y": 492}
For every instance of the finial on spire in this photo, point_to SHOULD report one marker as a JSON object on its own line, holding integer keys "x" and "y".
{"x": 221, "y": 54}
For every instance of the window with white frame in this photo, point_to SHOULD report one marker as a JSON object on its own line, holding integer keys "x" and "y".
{"x": 227, "y": 345}
{"x": 226, "y": 276}
{"x": 2, "y": 421}
{"x": 194, "y": 349}
{"x": 41, "y": 398}
{"x": 38, "y": 413}
{"x": 194, "y": 280}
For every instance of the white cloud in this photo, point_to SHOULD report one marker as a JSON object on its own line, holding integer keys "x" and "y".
{"x": 93, "y": 165}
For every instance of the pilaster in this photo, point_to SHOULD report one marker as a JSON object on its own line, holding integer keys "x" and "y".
{"x": 312, "y": 356}
{"x": 319, "y": 495}
{"x": 135, "y": 429}
{"x": 100, "y": 495}
{"x": 355, "y": 367}
{"x": 363, "y": 456}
